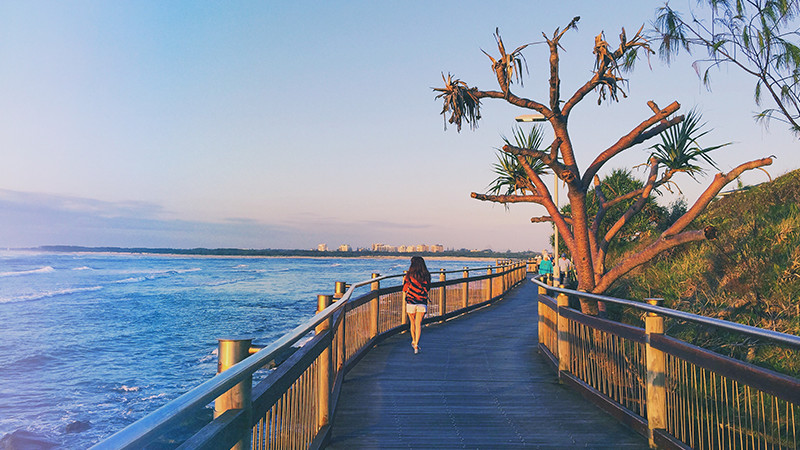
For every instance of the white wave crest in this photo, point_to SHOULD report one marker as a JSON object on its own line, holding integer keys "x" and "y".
{"x": 157, "y": 275}
{"x": 125, "y": 388}
{"x": 83, "y": 268}
{"x": 46, "y": 269}
{"x": 48, "y": 294}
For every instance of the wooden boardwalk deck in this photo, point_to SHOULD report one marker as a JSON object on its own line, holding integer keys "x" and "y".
{"x": 478, "y": 382}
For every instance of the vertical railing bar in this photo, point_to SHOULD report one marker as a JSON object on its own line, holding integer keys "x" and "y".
{"x": 776, "y": 413}
{"x": 696, "y": 440}
{"x": 287, "y": 440}
{"x": 749, "y": 406}
{"x": 790, "y": 415}
{"x": 279, "y": 416}
{"x": 728, "y": 409}
{"x": 685, "y": 436}
{"x": 764, "y": 403}
{"x": 311, "y": 424}
{"x": 301, "y": 411}
{"x": 717, "y": 402}
{"x": 705, "y": 414}
{"x": 738, "y": 409}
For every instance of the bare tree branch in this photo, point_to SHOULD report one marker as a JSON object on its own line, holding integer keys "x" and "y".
{"x": 632, "y": 210}
{"x": 720, "y": 180}
{"x": 545, "y": 219}
{"x": 508, "y": 198}
{"x": 674, "y": 235}
{"x": 635, "y": 136}
{"x": 631, "y": 262}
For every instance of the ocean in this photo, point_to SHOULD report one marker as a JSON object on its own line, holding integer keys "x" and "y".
{"x": 89, "y": 343}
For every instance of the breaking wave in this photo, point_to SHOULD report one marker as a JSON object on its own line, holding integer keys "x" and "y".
{"x": 46, "y": 269}
{"x": 48, "y": 294}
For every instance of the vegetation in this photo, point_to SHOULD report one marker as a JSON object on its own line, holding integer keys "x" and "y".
{"x": 750, "y": 274}
{"x": 759, "y": 37}
{"x": 581, "y": 230}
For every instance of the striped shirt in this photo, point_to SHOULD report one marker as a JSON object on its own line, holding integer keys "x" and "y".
{"x": 416, "y": 290}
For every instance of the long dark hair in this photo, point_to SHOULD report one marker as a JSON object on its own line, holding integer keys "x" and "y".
{"x": 418, "y": 269}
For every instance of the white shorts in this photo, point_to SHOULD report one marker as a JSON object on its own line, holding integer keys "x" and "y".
{"x": 412, "y": 308}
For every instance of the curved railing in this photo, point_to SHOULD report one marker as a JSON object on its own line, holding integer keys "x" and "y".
{"x": 676, "y": 394}
{"x": 291, "y": 407}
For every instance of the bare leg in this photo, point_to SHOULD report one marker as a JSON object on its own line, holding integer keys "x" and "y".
{"x": 418, "y": 326}
{"x": 412, "y": 323}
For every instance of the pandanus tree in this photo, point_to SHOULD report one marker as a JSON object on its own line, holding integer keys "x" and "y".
{"x": 579, "y": 229}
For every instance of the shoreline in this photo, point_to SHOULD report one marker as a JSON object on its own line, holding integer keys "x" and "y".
{"x": 266, "y": 253}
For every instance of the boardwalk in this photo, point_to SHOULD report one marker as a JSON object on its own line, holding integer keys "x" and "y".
{"x": 477, "y": 383}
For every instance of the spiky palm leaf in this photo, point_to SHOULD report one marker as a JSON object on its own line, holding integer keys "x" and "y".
{"x": 679, "y": 150}
{"x": 511, "y": 176}
{"x": 460, "y": 101}
{"x": 509, "y": 66}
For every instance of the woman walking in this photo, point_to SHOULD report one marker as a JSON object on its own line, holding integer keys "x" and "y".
{"x": 416, "y": 284}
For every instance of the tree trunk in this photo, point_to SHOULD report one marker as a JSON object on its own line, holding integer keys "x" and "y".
{"x": 583, "y": 260}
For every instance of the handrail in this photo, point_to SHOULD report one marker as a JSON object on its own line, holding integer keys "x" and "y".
{"x": 674, "y": 393}
{"x": 784, "y": 338}
{"x": 155, "y": 423}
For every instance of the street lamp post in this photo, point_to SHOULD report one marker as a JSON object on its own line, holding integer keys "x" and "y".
{"x": 540, "y": 118}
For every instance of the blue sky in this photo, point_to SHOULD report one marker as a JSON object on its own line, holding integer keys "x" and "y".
{"x": 288, "y": 124}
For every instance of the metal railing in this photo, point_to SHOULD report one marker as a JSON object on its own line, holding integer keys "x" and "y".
{"x": 292, "y": 406}
{"x": 676, "y": 394}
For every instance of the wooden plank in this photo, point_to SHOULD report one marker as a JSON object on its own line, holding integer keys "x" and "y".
{"x": 477, "y": 383}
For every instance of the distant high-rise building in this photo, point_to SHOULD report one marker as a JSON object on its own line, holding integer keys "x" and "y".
{"x": 322, "y": 247}
{"x": 437, "y": 248}
{"x": 345, "y": 248}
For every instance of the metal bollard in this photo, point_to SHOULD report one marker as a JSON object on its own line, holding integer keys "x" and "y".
{"x": 340, "y": 288}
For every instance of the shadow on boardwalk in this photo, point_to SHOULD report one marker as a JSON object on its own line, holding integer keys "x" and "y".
{"x": 478, "y": 382}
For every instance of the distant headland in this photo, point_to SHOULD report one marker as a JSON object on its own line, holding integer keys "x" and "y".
{"x": 460, "y": 253}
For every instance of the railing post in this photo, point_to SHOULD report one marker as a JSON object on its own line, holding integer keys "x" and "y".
{"x": 542, "y": 291}
{"x": 442, "y": 295}
{"x": 563, "y": 336}
{"x": 340, "y": 287}
{"x": 656, "y": 374}
{"x": 403, "y": 314}
{"x": 465, "y": 301}
{"x": 374, "y": 308}
{"x": 503, "y": 285}
{"x": 232, "y": 351}
{"x": 324, "y": 372}
{"x": 489, "y": 282}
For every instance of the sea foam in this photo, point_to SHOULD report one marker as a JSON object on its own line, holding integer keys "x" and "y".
{"x": 46, "y": 269}
{"x": 48, "y": 294}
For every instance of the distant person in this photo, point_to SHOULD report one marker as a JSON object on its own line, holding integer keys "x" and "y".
{"x": 564, "y": 266}
{"x": 546, "y": 266}
{"x": 416, "y": 284}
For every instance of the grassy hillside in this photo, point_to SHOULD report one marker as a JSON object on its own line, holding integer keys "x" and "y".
{"x": 750, "y": 274}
